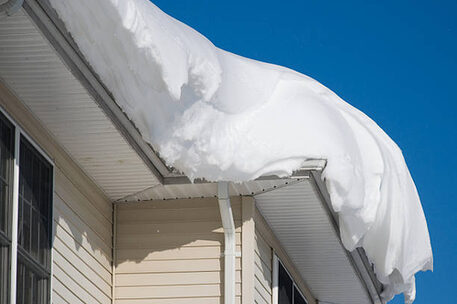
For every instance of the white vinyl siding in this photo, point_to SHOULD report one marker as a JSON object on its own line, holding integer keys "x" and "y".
{"x": 170, "y": 252}
{"x": 263, "y": 270}
{"x": 82, "y": 245}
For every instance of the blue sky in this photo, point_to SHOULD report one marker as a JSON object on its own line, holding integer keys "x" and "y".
{"x": 394, "y": 60}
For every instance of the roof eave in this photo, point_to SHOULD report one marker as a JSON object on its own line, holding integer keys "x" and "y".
{"x": 358, "y": 256}
{"x": 45, "y": 17}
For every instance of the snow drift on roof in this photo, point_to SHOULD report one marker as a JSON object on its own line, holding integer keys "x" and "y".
{"x": 216, "y": 115}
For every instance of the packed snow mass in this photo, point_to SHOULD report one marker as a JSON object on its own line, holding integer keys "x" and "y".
{"x": 215, "y": 115}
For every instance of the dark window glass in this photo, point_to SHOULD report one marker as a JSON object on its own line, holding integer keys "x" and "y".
{"x": 298, "y": 298}
{"x": 285, "y": 286}
{"x": 6, "y": 172}
{"x": 34, "y": 226}
{"x": 4, "y": 273}
{"x": 6, "y": 181}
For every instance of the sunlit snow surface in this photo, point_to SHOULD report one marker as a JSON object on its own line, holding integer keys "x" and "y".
{"x": 216, "y": 115}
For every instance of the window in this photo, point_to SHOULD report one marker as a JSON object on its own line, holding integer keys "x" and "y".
{"x": 285, "y": 291}
{"x": 26, "y": 182}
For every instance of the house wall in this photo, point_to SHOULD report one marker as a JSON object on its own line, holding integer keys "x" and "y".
{"x": 169, "y": 251}
{"x": 82, "y": 243}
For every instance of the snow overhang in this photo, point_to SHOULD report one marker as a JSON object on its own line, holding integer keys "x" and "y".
{"x": 160, "y": 175}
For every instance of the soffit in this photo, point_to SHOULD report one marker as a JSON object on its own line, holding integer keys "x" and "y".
{"x": 35, "y": 73}
{"x": 297, "y": 216}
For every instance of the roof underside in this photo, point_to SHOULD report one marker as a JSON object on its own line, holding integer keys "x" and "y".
{"x": 299, "y": 220}
{"x": 32, "y": 69}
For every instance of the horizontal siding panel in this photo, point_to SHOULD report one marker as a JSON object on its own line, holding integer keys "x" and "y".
{"x": 101, "y": 291}
{"x": 180, "y": 278}
{"x": 263, "y": 250}
{"x": 171, "y": 251}
{"x": 264, "y": 293}
{"x": 173, "y": 227}
{"x": 259, "y": 263}
{"x": 262, "y": 270}
{"x": 178, "y": 291}
{"x": 170, "y": 266}
{"x": 86, "y": 265}
{"x": 156, "y": 215}
{"x": 259, "y": 299}
{"x": 64, "y": 291}
{"x": 169, "y": 254}
{"x": 199, "y": 300}
{"x": 79, "y": 203}
{"x": 75, "y": 239}
{"x": 161, "y": 240}
{"x": 63, "y": 212}
{"x": 81, "y": 191}
{"x": 92, "y": 257}
{"x": 57, "y": 299}
{"x": 263, "y": 279}
{"x": 178, "y": 204}
{"x": 68, "y": 281}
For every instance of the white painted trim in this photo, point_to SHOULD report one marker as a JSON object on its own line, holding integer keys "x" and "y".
{"x": 114, "y": 254}
{"x": 14, "y": 216}
{"x": 53, "y": 229}
{"x": 275, "y": 279}
{"x": 247, "y": 250}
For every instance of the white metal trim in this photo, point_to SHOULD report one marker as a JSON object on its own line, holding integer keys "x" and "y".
{"x": 357, "y": 257}
{"x": 14, "y": 217}
{"x": 275, "y": 279}
{"x": 114, "y": 254}
{"x": 53, "y": 231}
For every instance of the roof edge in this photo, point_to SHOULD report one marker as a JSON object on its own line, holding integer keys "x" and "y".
{"x": 357, "y": 257}
{"x": 54, "y": 30}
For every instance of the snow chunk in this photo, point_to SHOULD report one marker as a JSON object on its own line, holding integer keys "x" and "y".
{"x": 216, "y": 115}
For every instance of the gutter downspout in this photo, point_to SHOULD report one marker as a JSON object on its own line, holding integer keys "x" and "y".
{"x": 10, "y": 7}
{"x": 229, "y": 241}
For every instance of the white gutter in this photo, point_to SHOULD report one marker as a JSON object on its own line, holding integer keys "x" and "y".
{"x": 10, "y": 7}
{"x": 229, "y": 241}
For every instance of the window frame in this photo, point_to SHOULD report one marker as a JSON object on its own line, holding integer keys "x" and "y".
{"x": 14, "y": 210}
{"x": 275, "y": 280}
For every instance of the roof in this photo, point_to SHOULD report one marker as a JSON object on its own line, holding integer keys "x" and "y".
{"x": 116, "y": 156}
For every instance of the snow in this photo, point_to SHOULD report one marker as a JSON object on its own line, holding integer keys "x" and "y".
{"x": 216, "y": 115}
